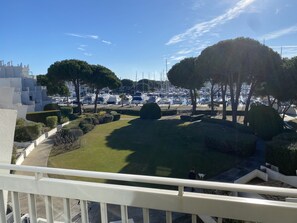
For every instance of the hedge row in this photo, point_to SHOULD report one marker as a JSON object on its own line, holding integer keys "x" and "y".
{"x": 131, "y": 111}
{"x": 191, "y": 118}
{"x": 230, "y": 124}
{"x": 41, "y": 116}
{"x": 282, "y": 152}
{"x": 231, "y": 141}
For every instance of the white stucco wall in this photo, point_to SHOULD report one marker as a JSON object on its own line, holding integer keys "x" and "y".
{"x": 7, "y": 127}
{"x": 6, "y": 96}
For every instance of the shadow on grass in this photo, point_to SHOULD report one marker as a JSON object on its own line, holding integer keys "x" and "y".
{"x": 168, "y": 148}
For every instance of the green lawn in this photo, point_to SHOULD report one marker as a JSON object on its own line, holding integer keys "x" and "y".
{"x": 159, "y": 148}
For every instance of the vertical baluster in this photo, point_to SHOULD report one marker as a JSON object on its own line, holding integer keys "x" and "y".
{"x": 49, "y": 209}
{"x": 16, "y": 207}
{"x": 168, "y": 217}
{"x": 103, "y": 210}
{"x": 67, "y": 216}
{"x": 32, "y": 208}
{"x": 124, "y": 214}
{"x": 146, "y": 215}
{"x": 194, "y": 218}
{"x": 2, "y": 208}
{"x": 84, "y": 211}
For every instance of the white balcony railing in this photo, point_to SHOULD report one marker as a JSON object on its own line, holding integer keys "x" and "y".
{"x": 176, "y": 200}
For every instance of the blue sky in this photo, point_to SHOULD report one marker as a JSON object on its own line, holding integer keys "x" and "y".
{"x": 137, "y": 35}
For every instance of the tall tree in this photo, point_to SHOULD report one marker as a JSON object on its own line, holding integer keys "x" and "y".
{"x": 102, "y": 77}
{"x": 76, "y": 71}
{"x": 184, "y": 74}
{"x": 242, "y": 60}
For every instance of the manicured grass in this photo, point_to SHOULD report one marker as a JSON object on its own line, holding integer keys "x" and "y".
{"x": 160, "y": 148}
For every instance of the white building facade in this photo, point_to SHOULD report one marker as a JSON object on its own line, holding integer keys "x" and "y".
{"x": 19, "y": 90}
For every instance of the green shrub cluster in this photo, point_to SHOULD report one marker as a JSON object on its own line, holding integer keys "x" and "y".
{"x": 51, "y": 106}
{"x": 281, "y": 151}
{"x": 27, "y": 132}
{"x": 228, "y": 140}
{"x": 51, "y": 121}
{"x": 150, "y": 111}
{"x": 230, "y": 124}
{"x": 265, "y": 121}
{"x": 41, "y": 116}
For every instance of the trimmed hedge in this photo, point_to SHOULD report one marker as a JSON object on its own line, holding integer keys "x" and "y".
{"x": 150, "y": 111}
{"x": 51, "y": 121}
{"x": 231, "y": 142}
{"x": 230, "y": 124}
{"x": 51, "y": 106}
{"x": 41, "y": 116}
{"x": 282, "y": 152}
{"x": 265, "y": 121}
{"x": 24, "y": 133}
{"x": 66, "y": 111}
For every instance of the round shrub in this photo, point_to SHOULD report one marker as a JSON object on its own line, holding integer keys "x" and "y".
{"x": 27, "y": 132}
{"x": 107, "y": 118}
{"x": 51, "y": 121}
{"x": 51, "y": 106}
{"x": 265, "y": 121}
{"x": 86, "y": 127}
{"x": 116, "y": 116}
{"x": 150, "y": 111}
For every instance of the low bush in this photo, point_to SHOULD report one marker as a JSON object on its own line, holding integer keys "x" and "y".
{"x": 228, "y": 140}
{"x": 64, "y": 119}
{"x": 106, "y": 118}
{"x": 116, "y": 116}
{"x": 66, "y": 111}
{"x": 86, "y": 127}
{"x": 20, "y": 122}
{"x": 282, "y": 152}
{"x": 30, "y": 132}
{"x": 265, "y": 121}
{"x": 51, "y": 106}
{"x": 41, "y": 116}
{"x": 150, "y": 111}
{"x": 51, "y": 121}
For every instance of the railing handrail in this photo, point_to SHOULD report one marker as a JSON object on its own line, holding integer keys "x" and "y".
{"x": 286, "y": 192}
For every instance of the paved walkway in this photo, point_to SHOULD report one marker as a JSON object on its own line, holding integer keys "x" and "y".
{"x": 248, "y": 165}
{"x": 39, "y": 157}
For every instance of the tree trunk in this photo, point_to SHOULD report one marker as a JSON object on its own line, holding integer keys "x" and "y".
{"x": 77, "y": 92}
{"x": 248, "y": 101}
{"x": 193, "y": 101}
{"x": 211, "y": 99}
{"x": 224, "y": 89}
{"x": 96, "y": 99}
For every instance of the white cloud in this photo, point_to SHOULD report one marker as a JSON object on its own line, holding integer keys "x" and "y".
{"x": 82, "y": 36}
{"x": 106, "y": 42}
{"x": 204, "y": 27}
{"x": 184, "y": 51}
{"x": 88, "y": 54}
{"x": 81, "y": 49}
{"x": 279, "y": 33}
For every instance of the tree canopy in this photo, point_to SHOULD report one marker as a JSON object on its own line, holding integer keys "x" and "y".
{"x": 52, "y": 86}
{"x": 186, "y": 75}
{"x": 76, "y": 71}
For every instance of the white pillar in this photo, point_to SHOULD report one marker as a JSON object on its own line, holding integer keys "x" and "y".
{"x": 7, "y": 127}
